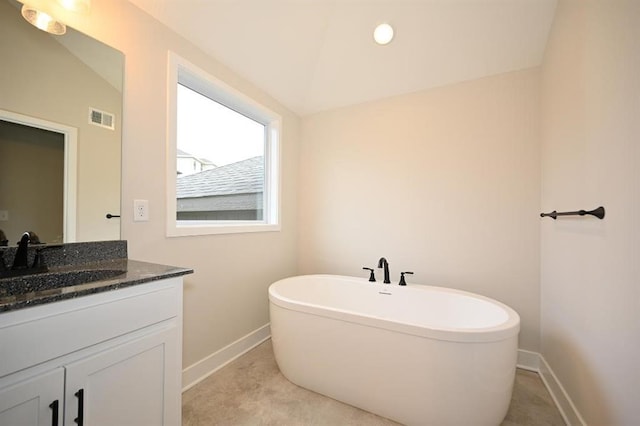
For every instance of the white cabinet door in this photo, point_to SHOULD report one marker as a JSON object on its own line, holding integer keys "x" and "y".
{"x": 34, "y": 402}
{"x": 125, "y": 386}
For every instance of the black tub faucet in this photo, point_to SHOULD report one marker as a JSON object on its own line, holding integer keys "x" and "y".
{"x": 20, "y": 261}
{"x": 382, "y": 263}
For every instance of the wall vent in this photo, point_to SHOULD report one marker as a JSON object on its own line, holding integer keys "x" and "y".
{"x": 101, "y": 118}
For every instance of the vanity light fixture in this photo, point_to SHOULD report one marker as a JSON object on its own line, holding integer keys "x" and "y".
{"x": 46, "y": 22}
{"x": 383, "y": 34}
{"x": 42, "y": 20}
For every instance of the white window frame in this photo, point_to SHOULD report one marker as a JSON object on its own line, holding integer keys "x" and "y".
{"x": 184, "y": 72}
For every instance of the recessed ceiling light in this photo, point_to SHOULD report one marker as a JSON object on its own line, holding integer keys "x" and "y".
{"x": 383, "y": 34}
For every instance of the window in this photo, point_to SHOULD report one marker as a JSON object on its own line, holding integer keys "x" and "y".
{"x": 222, "y": 161}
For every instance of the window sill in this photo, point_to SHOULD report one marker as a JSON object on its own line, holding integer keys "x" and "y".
{"x": 203, "y": 228}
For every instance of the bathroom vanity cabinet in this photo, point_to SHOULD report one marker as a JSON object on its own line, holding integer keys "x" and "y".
{"x": 111, "y": 358}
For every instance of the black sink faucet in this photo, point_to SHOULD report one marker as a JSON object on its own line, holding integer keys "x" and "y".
{"x": 382, "y": 263}
{"x": 20, "y": 261}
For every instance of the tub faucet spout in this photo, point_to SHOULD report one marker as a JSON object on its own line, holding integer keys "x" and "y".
{"x": 382, "y": 263}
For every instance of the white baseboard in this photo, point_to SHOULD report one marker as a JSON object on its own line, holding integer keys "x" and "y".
{"x": 202, "y": 369}
{"x": 528, "y": 360}
{"x": 534, "y": 361}
{"x": 559, "y": 394}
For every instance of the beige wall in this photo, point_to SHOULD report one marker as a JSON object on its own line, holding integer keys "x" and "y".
{"x": 226, "y": 298}
{"x": 590, "y": 273}
{"x": 444, "y": 183}
{"x": 40, "y": 78}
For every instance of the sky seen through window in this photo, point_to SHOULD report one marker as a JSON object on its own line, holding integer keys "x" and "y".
{"x": 210, "y": 130}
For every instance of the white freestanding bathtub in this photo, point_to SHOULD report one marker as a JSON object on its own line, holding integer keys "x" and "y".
{"x": 418, "y": 355}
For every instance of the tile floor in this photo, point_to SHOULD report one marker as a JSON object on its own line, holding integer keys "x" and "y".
{"x": 252, "y": 391}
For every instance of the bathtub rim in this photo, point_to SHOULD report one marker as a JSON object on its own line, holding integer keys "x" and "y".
{"x": 502, "y": 331}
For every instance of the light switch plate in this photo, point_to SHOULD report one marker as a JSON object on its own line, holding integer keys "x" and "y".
{"x": 4, "y": 215}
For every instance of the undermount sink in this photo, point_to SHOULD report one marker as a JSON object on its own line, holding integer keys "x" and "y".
{"x": 54, "y": 280}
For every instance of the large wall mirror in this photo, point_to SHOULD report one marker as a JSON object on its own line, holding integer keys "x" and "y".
{"x": 60, "y": 133}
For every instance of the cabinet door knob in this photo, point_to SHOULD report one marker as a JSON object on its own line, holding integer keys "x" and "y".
{"x": 80, "y": 419}
{"x": 54, "y": 414}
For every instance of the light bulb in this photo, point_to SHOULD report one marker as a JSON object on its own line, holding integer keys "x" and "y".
{"x": 43, "y": 20}
{"x": 383, "y": 34}
{"x": 79, "y": 6}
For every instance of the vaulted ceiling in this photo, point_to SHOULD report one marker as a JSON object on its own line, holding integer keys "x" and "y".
{"x": 314, "y": 55}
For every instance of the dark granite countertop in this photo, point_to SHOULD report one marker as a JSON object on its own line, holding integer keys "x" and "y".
{"x": 73, "y": 274}
{"x": 132, "y": 273}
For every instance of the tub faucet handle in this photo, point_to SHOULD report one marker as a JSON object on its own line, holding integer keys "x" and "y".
{"x": 402, "y": 281}
{"x": 372, "y": 276}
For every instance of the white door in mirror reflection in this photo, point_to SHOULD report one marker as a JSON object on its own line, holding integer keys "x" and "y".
{"x": 38, "y": 170}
